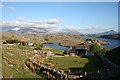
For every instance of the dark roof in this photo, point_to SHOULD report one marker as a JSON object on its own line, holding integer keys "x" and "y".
{"x": 80, "y": 50}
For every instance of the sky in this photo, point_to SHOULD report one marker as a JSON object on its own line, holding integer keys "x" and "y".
{"x": 60, "y": 0}
{"x": 85, "y": 17}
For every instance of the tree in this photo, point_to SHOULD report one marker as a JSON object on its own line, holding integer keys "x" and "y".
{"x": 46, "y": 39}
{"x": 66, "y": 52}
{"x": 95, "y": 48}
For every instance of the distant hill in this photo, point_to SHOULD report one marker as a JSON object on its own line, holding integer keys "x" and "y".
{"x": 38, "y": 30}
{"x": 109, "y": 32}
{"x": 111, "y": 36}
{"x": 114, "y": 55}
{"x": 71, "y": 32}
{"x": 5, "y": 29}
{"x": 28, "y": 30}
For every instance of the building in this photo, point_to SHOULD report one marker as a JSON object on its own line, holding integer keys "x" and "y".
{"x": 30, "y": 44}
{"x": 81, "y": 52}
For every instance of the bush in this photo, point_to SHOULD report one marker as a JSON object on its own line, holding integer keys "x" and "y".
{"x": 46, "y": 39}
{"x": 103, "y": 51}
{"x": 95, "y": 48}
{"x": 66, "y": 52}
{"x": 11, "y": 41}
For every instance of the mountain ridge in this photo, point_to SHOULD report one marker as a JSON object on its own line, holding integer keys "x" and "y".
{"x": 109, "y": 32}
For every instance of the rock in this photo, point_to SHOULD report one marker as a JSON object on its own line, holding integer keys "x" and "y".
{"x": 11, "y": 65}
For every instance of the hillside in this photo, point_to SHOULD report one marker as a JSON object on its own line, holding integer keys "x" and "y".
{"x": 22, "y": 60}
{"x": 112, "y": 36}
{"x": 109, "y": 32}
{"x": 114, "y": 55}
{"x": 13, "y": 62}
{"x": 65, "y": 40}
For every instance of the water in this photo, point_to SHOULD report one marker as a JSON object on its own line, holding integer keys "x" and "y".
{"x": 112, "y": 43}
{"x": 56, "y": 46}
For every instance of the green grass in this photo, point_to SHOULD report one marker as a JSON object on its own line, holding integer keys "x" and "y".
{"x": 23, "y": 47}
{"x": 63, "y": 63}
{"x": 75, "y": 63}
{"x": 16, "y": 54}
{"x": 12, "y": 71}
{"x": 55, "y": 51}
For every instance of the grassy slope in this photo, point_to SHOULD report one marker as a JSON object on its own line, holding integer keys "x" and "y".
{"x": 23, "y": 47}
{"x": 12, "y": 71}
{"x": 11, "y": 54}
{"x": 75, "y": 63}
{"x": 113, "y": 36}
{"x": 114, "y": 55}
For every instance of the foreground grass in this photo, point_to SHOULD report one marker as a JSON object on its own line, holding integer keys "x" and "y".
{"x": 13, "y": 63}
{"x": 17, "y": 72}
{"x": 75, "y": 63}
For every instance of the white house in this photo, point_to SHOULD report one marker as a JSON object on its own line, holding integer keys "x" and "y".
{"x": 30, "y": 44}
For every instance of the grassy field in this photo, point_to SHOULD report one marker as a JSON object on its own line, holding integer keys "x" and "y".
{"x": 63, "y": 63}
{"x": 23, "y": 47}
{"x": 13, "y": 57}
{"x": 16, "y": 72}
{"x": 55, "y": 51}
{"x": 13, "y": 64}
{"x": 75, "y": 63}
{"x": 65, "y": 40}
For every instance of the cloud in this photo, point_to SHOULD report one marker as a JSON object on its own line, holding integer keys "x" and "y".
{"x": 71, "y": 29}
{"x": 49, "y": 24}
{"x": 54, "y": 21}
{"x": 93, "y": 29}
{"x": 16, "y": 29}
{"x": 7, "y": 7}
{"x": 19, "y": 18}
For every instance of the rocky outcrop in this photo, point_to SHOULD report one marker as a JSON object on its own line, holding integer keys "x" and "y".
{"x": 93, "y": 40}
